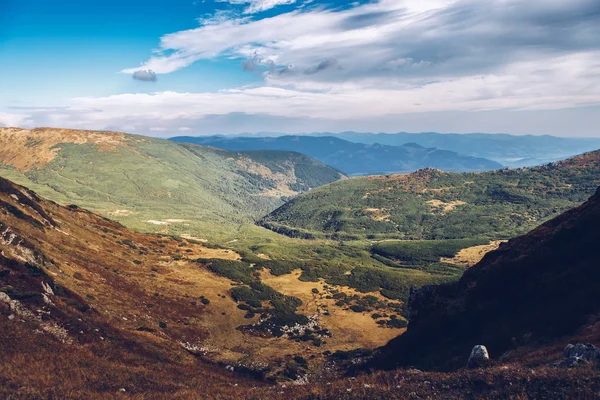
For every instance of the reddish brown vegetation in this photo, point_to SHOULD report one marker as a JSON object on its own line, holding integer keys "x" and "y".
{"x": 89, "y": 310}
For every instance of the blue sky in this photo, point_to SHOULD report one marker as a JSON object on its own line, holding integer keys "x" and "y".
{"x": 229, "y": 66}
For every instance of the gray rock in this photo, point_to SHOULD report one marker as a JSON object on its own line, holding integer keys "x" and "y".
{"x": 580, "y": 354}
{"x": 479, "y": 357}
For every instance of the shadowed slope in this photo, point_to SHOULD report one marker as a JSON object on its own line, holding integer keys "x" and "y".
{"x": 535, "y": 289}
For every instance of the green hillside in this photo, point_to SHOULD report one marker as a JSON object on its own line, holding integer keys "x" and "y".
{"x": 157, "y": 185}
{"x": 203, "y": 193}
{"x": 430, "y": 204}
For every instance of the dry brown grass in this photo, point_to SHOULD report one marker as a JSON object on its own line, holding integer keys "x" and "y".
{"x": 34, "y": 367}
{"x": 348, "y": 328}
{"x": 444, "y": 208}
{"x": 511, "y": 381}
{"x": 377, "y": 214}
{"x": 147, "y": 287}
{"x": 26, "y": 149}
{"x": 472, "y": 255}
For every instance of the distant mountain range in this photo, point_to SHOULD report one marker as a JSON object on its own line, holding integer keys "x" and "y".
{"x": 510, "y": 150}
{"x": 354, "y": 158}
{"x": 514, "y": 151}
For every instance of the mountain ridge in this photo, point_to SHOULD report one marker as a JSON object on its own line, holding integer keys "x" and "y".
{"x": 159, "y": 180}
{"x": 515, "y": 151}
{"x": 432, "y": 204}
{"x": 354, "y": 158}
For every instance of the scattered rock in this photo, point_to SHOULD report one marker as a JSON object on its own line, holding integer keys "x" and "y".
{"x": 4, "y": 298}
{"x": 580, "y": 354}
{"x": 479, "y": 357}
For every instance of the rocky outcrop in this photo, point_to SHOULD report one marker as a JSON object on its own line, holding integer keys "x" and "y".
{"x": 580, "y": 354}
{"x": 479, "y": 357}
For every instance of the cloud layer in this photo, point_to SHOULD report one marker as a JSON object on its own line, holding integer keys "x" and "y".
{"x": 371, "y": 62}
{"x": 255, "y": 6}
{"x": 401, "y": 39}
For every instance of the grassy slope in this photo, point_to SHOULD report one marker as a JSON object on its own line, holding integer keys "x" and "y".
{"x": 107, "y": 355}
{"x": 214, "y": 191}
{"x": 431, "y": 204}
{"x": 158, "y": 292}
{"x": 219, "y": 194}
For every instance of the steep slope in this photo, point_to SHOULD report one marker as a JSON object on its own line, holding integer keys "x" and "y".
{"x": 431, "y": 204}
{"x": 354, "y": 158}
{"x": 153, "y": 184}
{"x": 510, "y": 150}
{"x": 535, "y": 291}
{"x": 79, "y": 278}
{"x": 89, "y": 309}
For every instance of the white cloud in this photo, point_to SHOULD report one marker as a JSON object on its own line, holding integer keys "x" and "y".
{"x": 370, "y": 62}
{"x": 299, "y": 38}
{"x": 555, "y": 82}
{"x": 218, "y": 17}
{"x": 255, "y": 6}
{"x": 405, "y": 47}
{"x": 12, "y": 120}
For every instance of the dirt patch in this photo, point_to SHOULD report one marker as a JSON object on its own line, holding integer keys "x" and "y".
{"x": 444, "y": 208}
{"x": 154, "y": 222}
{"x": 472, "y": 255}
{"x": 167, "y": 221}
{"x": 197, "y": 239}
{"x": 377, "y": 214}
{"x": 121, "y": 213}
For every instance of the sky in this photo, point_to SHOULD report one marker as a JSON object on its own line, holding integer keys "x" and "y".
{"x": 167, "y": 68}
